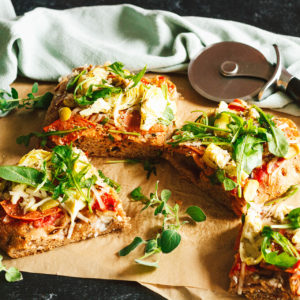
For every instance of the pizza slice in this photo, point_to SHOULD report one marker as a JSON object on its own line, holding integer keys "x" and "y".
{"x": 267, "y": 263}
{"x": 55, "y": 198}
{"x": 109, "y": 111}
{"x": 238, "y": 154}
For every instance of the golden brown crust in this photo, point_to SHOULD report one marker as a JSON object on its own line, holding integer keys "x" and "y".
{"x": 19, "y": 239}
{"x": 263, "y": 284}
{"x": 276, "y": 183}
{"x": 186, "y": 167}
{"x": 98, "y": 142}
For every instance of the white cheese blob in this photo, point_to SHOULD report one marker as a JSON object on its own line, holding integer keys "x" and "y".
{"x": 99, "y": 106}
{"x": 216, "y": 157}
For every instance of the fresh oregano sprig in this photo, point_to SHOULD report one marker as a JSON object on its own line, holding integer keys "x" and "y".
{"x": 12, "y": 274}
{"x": 11, "y": 100}
{"x": 148, "y": 164}
{"x": 168, "y": 238}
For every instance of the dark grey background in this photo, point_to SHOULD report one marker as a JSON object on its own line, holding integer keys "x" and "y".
{"x": 275, "y": 15}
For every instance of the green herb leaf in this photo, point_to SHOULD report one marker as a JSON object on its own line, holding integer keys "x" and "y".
{"x": 110, "y": 182}
{"x": 277, "y": 142}
{"x": 135, "y": 243}
{"x": 168, "y": 116}
{"x": 248, "y": 151}
{"x": 294, "y": 218}
{"x": 147, "y": 263}
{"x": 151, "y": 245}
{"x": 73, "y": 81}
{"x": 117, "y": 68}
{"x": 10, "y": 100}
{"x": 196, "y": 213}
{"x": 137, "y": 194}
{"x": 292, "y": 190}
{"x": 170, "y": 239}
{"x": 25, "y": 139}
{"x": 35, "y": 88}
{"x": 229, "y": 184}
{"x": 137, "y": 78}
{"x": 42, "y": 102}
{"x": 286, "y": 259}
{"x": 20, "y": 174}
{"x": 164, "y": 89}
{"x": 13, "y": 274}
{"x": 165, "y": 195}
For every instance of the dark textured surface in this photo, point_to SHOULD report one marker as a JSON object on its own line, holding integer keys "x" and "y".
{"x": 274, "y": 15}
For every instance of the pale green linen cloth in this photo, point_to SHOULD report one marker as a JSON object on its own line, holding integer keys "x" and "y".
{"x": 45, "y": 44}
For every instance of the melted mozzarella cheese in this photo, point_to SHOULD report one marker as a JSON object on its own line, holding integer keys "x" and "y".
{"x": 153, "y": 107}
{"x": 216, "y": 157}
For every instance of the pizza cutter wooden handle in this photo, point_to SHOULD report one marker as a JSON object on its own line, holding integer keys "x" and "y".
{"x": 293, "y": 89}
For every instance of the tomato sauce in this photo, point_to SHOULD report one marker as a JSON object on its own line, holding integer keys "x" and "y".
{"x": 73, "y": 122}
{"x": 108, "y": 200}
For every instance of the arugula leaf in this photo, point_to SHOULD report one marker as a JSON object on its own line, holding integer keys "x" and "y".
{"x": 164, "y": 89}
{"x": 91, "y": 96}
{"x": 170, "y": 239}
{"x": 294, "y": 218}
{"x": 292, "y": 190}
{"x": 12, "y": 274}
{"x": 25, "y": 139}
{"x": 286, "y": 259}
{"x": 110, "y": 182}
{"x": 277, "y": 142}
{"x": 247, "y": 152}
{"x": 64, "y": 161}
{"x": 136, "y": 78}
{"x": 282, "y": 260}
{"x": 228, "y": 183}
{"x": 73, "y": 81}
{"x": 196, "y": 213}
{"x": 20, "y": 174}
{"x": 168, "y": 116}
{"x": 135, "y": 243}
{"x": 117, "y": 68}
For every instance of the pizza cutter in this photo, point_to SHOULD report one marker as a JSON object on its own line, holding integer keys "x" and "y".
{"x": 229, "y": 70}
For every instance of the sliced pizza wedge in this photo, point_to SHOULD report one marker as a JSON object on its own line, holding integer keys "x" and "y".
{"x": 238, "y": 154}
{"x": 54, "y": 198}
{"x": 267, "y": 263}
{"x": 109, "y": 111}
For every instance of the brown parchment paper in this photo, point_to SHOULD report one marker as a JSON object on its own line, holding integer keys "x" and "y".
{"x": 197, "y": 269}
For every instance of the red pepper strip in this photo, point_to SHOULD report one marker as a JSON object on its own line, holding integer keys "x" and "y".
{"x": 75, "y": 121}
{"x": 14, "y": 211}
{"x": 108, "y": 200}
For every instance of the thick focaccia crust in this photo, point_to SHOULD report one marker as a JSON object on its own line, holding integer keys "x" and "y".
{"x": 273, "y": 185}
{"x": 19, "y": 239}
{"x": 98, "y": 142}
{"x": 263, "y": 284}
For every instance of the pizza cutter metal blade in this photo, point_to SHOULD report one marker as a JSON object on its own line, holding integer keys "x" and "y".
{"x": 229, "y": 70}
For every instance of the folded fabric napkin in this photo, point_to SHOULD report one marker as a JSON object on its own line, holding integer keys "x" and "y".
{"x": 45, "y": 44}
